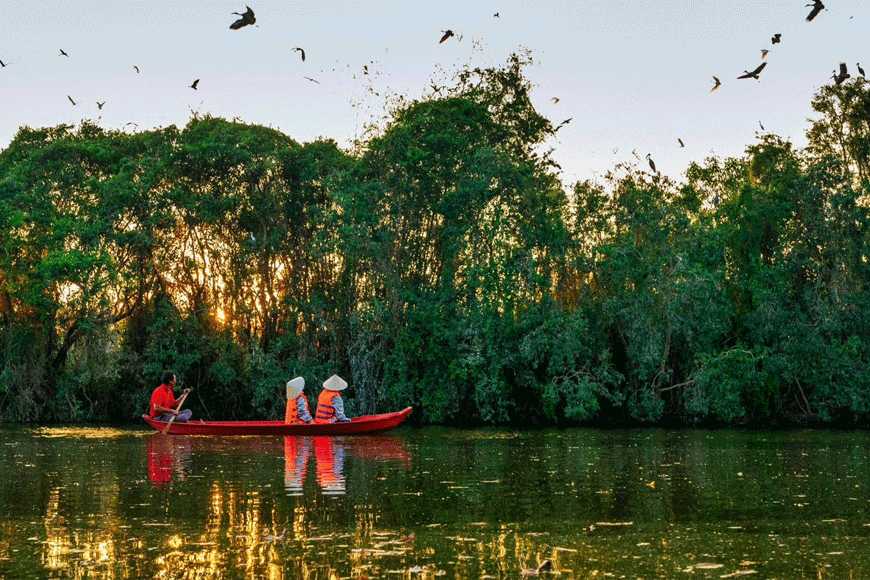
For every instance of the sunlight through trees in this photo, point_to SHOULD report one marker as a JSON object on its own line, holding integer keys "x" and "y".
{"x": 442, "y": 265}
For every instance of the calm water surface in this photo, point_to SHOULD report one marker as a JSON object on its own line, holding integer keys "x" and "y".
{"x": 430, "y": 503}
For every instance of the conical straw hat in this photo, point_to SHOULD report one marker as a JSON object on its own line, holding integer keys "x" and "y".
{"x": 335, "y": 383}
{"x": 294, "y": 387}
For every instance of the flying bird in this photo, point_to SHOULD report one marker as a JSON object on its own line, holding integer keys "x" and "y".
{"x": 100, "y": 105}
{"x": 764, "y": 52}
{"x": 297, "y": 49}
{"x": 817, "y": 7}
{"x": 496, "y": 15}
{"x": 760, "y": 125}
{"x": 193, "y": 86}
{"x": 652, "y": 165}
{"x": 843, "y": 74}
{"x": 62, "y": 53}
{"x": 563, "y": 123}
{"x": 555, "y": 100}
{"x": 312, "y": 80}
{"x": 775, "y": 39}
{"x": 136, "y": 67}
{"x": 753, "y": 74}
{"x": 860, "y": 70}
{"x": 2, "y": 64}
{"x": 247, "y": 17}
{"x": 71, "y": 99}
{"x": 447, "y": 34}
{"x": 717, "y": 85}
{"x": 681, "y": 142}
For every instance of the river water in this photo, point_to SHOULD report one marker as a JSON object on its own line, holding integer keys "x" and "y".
{"x": 434, "y": 503}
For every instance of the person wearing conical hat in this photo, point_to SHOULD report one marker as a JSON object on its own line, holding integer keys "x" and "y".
{"x": 297, "y": 411}
{"x": 330, "y": 407}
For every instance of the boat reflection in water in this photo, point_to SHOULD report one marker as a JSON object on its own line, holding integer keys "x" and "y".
{"x": 330, "y": 454}
{"x": 463, "y": 504}
{"x": 169, "y": 456}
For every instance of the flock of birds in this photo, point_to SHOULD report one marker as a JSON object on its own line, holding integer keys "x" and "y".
{"x": 248, "y": 18}
{"x": 839, "y": 77}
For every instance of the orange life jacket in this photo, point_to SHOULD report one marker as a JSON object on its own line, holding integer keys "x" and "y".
{"x": 291, "y": 414}
{"x": 325, "y": 410}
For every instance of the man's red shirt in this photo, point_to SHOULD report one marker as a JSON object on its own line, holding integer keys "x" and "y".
{"x": 162, "y": 396}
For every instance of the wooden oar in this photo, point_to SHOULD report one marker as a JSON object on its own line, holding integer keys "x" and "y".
{"x": 178, "y": 408}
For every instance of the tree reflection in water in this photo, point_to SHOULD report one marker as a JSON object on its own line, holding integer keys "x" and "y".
{"x": 433, "y": 503}
{"x": 254, "y": 528}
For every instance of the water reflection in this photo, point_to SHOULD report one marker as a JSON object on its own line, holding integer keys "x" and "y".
{"x": 167, "y": 455}
{"x": 434, "y": 503}
{"x": 329, "y": 453}
{"x": 251, "y": 528}
{"x": 160, "y": 460}
{"x": 296, "y": 452}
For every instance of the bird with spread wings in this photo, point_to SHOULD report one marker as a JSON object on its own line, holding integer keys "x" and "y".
{"x": 247, "y": 17}
{"x": 754, "y": 74}
{"x": 817, "y": 7}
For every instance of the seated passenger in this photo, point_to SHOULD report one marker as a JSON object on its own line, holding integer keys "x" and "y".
{"x": 330, "y": 407}
{"x": 297, "y": 405}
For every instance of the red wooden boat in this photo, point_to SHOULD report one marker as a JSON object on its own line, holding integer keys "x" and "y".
{"x": 356, "y": 426}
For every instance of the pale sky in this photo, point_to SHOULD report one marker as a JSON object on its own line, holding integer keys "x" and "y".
{"x": 633, "y": 76}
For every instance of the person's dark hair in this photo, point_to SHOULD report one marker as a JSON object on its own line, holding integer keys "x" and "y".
{"x": 167, "y": 377}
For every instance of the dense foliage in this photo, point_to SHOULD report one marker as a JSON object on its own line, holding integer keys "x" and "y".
{"x": 441, "y": 265}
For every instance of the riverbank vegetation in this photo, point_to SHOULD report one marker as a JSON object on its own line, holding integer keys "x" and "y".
{"x": 441, "y": 264}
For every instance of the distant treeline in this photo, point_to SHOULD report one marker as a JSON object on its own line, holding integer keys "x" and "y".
{"x": 442, "y": 264}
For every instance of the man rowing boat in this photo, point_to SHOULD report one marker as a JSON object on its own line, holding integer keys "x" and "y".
{"x": 163, "y": 401}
